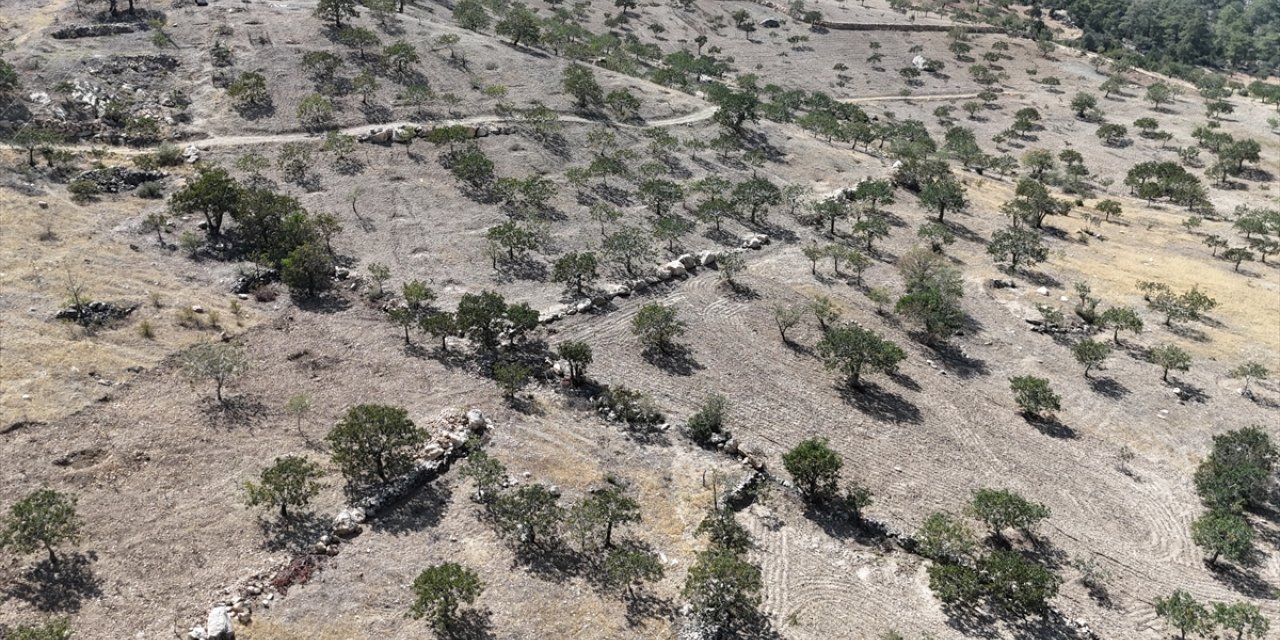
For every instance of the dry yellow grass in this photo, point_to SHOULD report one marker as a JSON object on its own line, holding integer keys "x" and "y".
{"x": 45, "y": 364}
{"x": 1151, "y": 244}
{"x": 277, "y": 630}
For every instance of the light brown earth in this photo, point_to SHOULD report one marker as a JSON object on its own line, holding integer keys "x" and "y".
{"x": 157, "y": 468}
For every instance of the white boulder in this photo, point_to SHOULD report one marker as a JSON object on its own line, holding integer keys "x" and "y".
{"x": 218, "y": 626}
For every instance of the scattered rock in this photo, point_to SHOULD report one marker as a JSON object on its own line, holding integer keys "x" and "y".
{"x": 219, "y": 625}
{"x": 246, "y": 283}
{"x": 347, "y": 523}
{"x": 1003, "y": 284}
{"x": 95, "y": 313}
{"x": 1044, "y": 291}
{"x": 688, "y": 260}
{"x": 476, "y": 421}
{"x": 754, "y": 241}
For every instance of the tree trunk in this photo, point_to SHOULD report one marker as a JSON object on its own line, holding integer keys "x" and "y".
{"x": 53, "y": 557}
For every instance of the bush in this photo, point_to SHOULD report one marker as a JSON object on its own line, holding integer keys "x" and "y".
{"x": 815, "y": 468}
{"x": 708, "y": 422}
{"x": 152, "y": 190}
{"x": 1033, "y": 395}
{"x": 168, "y": 155}
{"x": 630, "y": 406}
{"x": 83, "y": 191}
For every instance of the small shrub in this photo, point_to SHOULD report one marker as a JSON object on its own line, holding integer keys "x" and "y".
{"x": 708, "y": 422}
{"x": 83, "y": 191}
{"x": 150, "y": 190}
{"x": 168, "y": 155}
{"x": 630, "y": 406}
{"x": 265, "y": 293}
{"x": 146, "y": 330}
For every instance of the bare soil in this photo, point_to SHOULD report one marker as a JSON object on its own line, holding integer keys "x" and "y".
{"x": 157, "y": 466}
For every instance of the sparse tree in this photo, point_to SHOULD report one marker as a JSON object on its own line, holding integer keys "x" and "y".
{"x": 580, "y": 83}
{"x": 851, "y": 350}
{"x": 1090, "y": 353}
{"x": 1120, "y": 319}
{"x": 1227, "y": 535}
{"x": 579, "y": 269}
{"x": 1242, "y": 618}
{"x": 1184, "y": 613}
{"x": 656, "y": 325}
{"x": 945, "y": 539}
{"x": 723, "y": 590}
{"x": 1169, "y": 356}
{"x": 1249, "y": 371}
{"x": 438, "y": 591}
{"x": 1109, "y": 208}
{"x": 530, "y": 515}
{"x": 214, "y": 361}
{"x": 630, "y": 566}
{"x": 292, "y": 481}
{"x": 627, "y": 245}
{"x": 1034, "y": 395}
{"x": 42, "y": 520}
{"x": 471, "y": 15}
{"x": 814, "y": 468}
{"x": 1083, "y": 103}
{"x": 1017, "y": 246}
{"x": 578, "y": 355}
{"x": 335, "y": 10}
{"x": 374, "y": 442}
{"x": 1001, "y": 509}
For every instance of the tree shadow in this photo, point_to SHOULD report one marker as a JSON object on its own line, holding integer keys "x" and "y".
{"x": 1187, "y": 331}
{"x": 325, "y": 303}
{"x": 970, "y": 622}
{"x": 1044, "y": 552}
{"x": 420, "y": 510}
{"x": 1051, "y": 426}
{"x": 375, "y": 113}
{"x": 958, "y": 362}
{"x": 646, "y": 434}
{"x": 294, "y": 534}
{"x": 676, "y": 360}
{"x": 233, "y": 411}
{"x": 884, "y": 405}
{"x": 1188, "y": 392}
{"x": 1242, "y": 581}
{"x": 470, "y": 624}
{"x": 1109, "y": 387}
{"x": 58, "y": 588}
{"x": 522, "y": 268}
{"x": 904, "y": 380}
{"x": 553, "y": 561}
{"x": 256, "y": 111}
{"x": 1040, "y": 279}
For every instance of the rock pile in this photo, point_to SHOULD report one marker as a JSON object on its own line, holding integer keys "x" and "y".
{"x": 95, "y": 312}
{"x": 95, "y": 30}
{"x": 117, "y": 179}
{"x": 406, "y": 133}
{"x": 248, "y": 282}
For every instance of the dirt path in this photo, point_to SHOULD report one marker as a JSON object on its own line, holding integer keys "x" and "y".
{"x": 923, "y": 98}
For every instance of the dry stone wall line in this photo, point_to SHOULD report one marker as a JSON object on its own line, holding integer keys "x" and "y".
{"x": 884, "y": 26}
{"x": 453, "y": 429}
